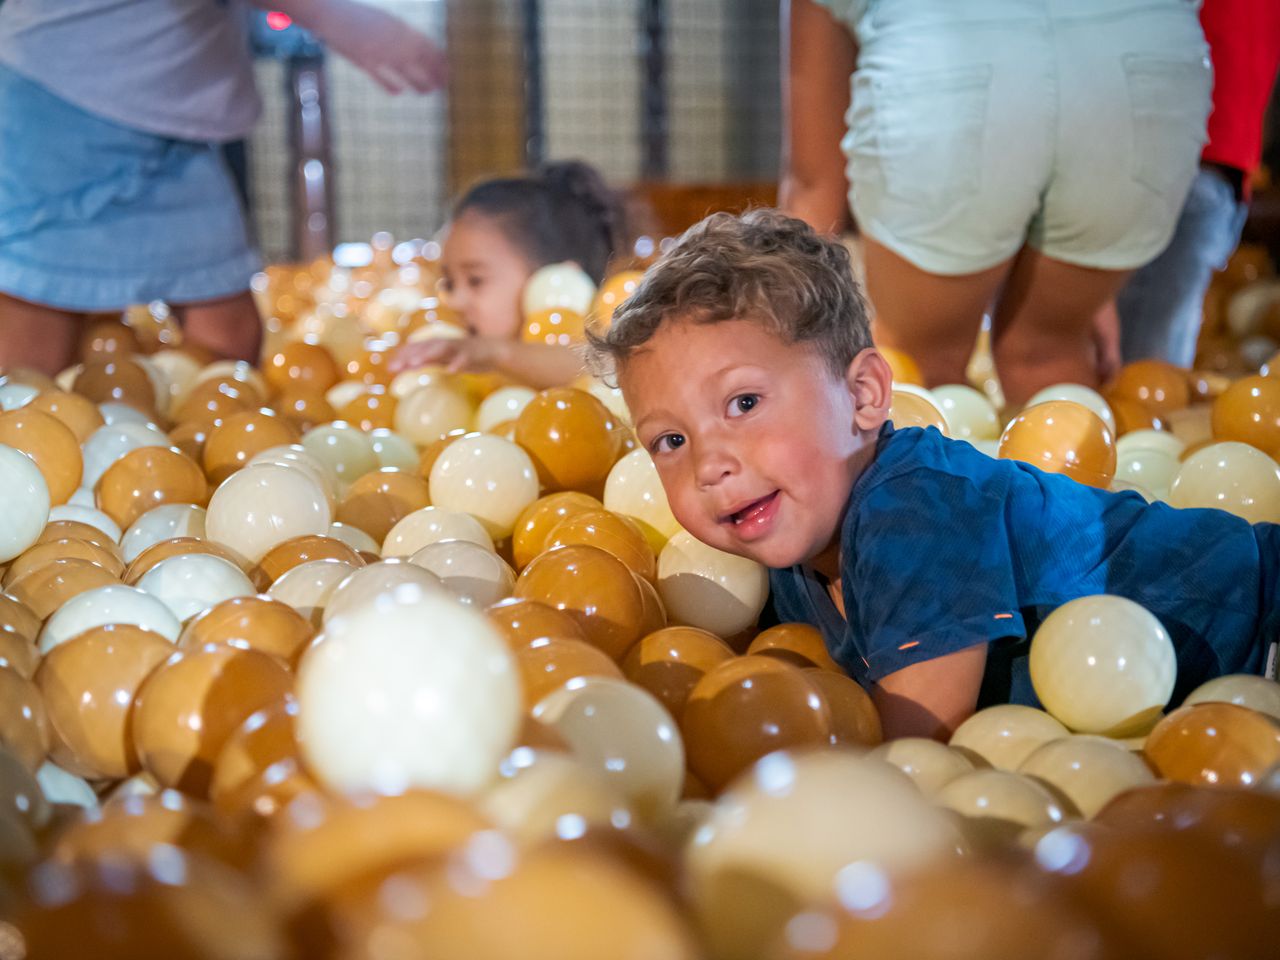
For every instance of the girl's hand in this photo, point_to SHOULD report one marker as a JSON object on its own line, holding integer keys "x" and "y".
{"x": 464, "y": 354}
{"x": 388, "y": 49}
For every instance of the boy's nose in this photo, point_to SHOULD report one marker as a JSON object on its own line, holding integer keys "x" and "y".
{"x": 713, "y": 464}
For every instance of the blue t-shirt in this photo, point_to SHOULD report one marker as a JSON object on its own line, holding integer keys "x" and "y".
{"x": 943, "y": 547}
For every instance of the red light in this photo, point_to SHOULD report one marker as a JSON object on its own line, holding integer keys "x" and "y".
{"x": 278, "y": 21}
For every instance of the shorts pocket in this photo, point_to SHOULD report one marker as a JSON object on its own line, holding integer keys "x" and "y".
{"x": 1170, "y": 102}
{"x": 922, "y": 133}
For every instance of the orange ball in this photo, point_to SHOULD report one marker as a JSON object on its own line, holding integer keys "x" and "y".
{"x": 260, "y": 768}
{"x": 903, "y": 366}
{"x": 748, "y": 707}
{"x": 89, "y": 684}
{"x": 238, "y": 438}
{"x": 1059, "y": 436}
{"x": 594, "y": 587}
{"x": 1160, "y": 386}
{"x": 303, "y": 407}
{"x": 66, "y": 548}
{"x": 912, "y": 410}
{"x": 670, "y": 662}
{"x": 1131, "y": 415}
{"x": 48, "y": 442}
{"x": 855, "y": 721}
{"x": 17, "y": 616}
{"x": 797, "y": 643}
{"x": 18, "y": 652}
{"x": 554, "y": 327}
{"x": 24, "y": 724}
{"x": 611, "y": 294}
{"x": 535, "y": 523}
{"x": 369, "y": 366}
{"x": 190, "y": 438}
{"x": 177, "y": 546}
{"x": 75, "y": 530}
{"x": 47, "y": 588}
{"x": 377, "y": 501}
{"x": 193, "y": 702}
{"x": 301, "y": 364}
{"x": 570, "y": 436}
{"x": 547, "y": 665}
{"x": 146, "y": 478}
{"x": 106, "y": 337}
{"x": 117, "y": 379}
{"x": 653, "y": 616}
{"x": 1249, "y": 411}
{"x": 211, "y": 401}
{"x": 523, "y": 622}
{"x": 1214, "y": 744}
{"x": 283, "y": 557}
{"x": 611, "y": 532}
{"x": 78, "y": 414}
{"x": 251, "y": 623}
{"x": 375, "y": 409}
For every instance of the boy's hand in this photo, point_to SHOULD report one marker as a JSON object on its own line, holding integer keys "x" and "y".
{"x": 394, "y": 54}
{"x": 465, "y": 354}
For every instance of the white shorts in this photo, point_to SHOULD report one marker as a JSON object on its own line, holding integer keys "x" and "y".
{"x": 978, "y": 126}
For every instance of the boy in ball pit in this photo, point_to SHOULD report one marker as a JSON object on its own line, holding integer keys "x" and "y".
{"x": 746, "y": 359}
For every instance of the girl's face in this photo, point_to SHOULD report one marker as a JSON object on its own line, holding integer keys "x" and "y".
{"x": 484, "y": 276}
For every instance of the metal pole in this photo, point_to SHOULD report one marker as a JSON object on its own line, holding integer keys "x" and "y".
{"x": 535, "y": 137}
{"x": 654, "y": 132}
{"x": 314, "y": 227}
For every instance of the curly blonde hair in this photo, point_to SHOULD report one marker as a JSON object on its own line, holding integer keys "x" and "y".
{"x": 762, "y": 266}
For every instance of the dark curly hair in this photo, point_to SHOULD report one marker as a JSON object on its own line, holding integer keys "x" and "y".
{"x": 562, "y": 211}
{"x": 761, "y": 265}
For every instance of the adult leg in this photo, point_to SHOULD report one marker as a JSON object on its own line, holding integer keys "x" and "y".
{"x": 932, "y": 317}
{"x": 35, "y": 336}
{"x": 1043, "y": 323}
{"x": 229, "y": 326}
{"x": 1161, "y": 307}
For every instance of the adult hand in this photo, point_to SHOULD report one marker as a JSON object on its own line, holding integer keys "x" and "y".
{"x": 388, "y": 49}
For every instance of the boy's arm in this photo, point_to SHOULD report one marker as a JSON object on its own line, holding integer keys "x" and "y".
{"x": 818, "y": 57}
{"x": 933, "y": 697}
{"x": 394, "y": 54}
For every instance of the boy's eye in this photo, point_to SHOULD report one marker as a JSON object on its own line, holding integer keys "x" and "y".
{"x": 666, "y": 443}
{"x": 743, "y": 403}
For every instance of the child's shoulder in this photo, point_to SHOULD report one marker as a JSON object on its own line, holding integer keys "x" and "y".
{"x": 924, "y": 458}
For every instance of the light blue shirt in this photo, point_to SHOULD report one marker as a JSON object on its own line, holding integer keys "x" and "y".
{"x": 176, "y": 68}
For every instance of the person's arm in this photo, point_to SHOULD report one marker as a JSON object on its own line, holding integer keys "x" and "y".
{"x": 388, "y": 49}
{"x": 931, "y": 698}
{"x": 537, "y": 365}
{"x": 818, "y": 57}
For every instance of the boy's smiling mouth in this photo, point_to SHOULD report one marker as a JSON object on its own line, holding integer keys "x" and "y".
{"x": 753, "y": 516}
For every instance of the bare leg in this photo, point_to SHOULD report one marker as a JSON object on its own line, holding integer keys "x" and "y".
{"x": 229, "y": 327}
{"x": 1044, "y": 323}
{"x": 41, "y": 338}
{"x": 933, "y": 318}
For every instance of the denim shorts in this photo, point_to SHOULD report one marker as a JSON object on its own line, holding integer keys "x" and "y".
{"x": 97, "y": 216}
{"x": 979, "y": 126}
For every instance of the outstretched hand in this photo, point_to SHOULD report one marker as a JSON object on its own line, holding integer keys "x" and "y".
{"x": 464, "y": 354}
{"x": 388, "y": 49}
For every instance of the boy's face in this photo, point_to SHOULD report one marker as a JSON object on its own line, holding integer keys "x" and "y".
{"x": 484, "y": 276}
{"x": 756, "y": 442}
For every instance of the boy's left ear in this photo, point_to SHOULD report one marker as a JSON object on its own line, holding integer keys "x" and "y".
{"x": 870, "y": 383}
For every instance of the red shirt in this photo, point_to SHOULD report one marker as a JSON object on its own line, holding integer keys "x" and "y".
{"x": 1244, "y": 44}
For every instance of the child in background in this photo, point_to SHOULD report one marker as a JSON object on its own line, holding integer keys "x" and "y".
{"x": 500, "y": 233}
{"x": 746, "y": 360}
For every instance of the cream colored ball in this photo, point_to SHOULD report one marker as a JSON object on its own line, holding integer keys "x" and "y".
{"x": 262, "y": 506}
{"x": 704, "y": 587}
{"x": 1103, "y": 664}
{"x": 1230, "y": 476}
{"x": 411, "y": 690}
{"x": 488, "y": 477}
